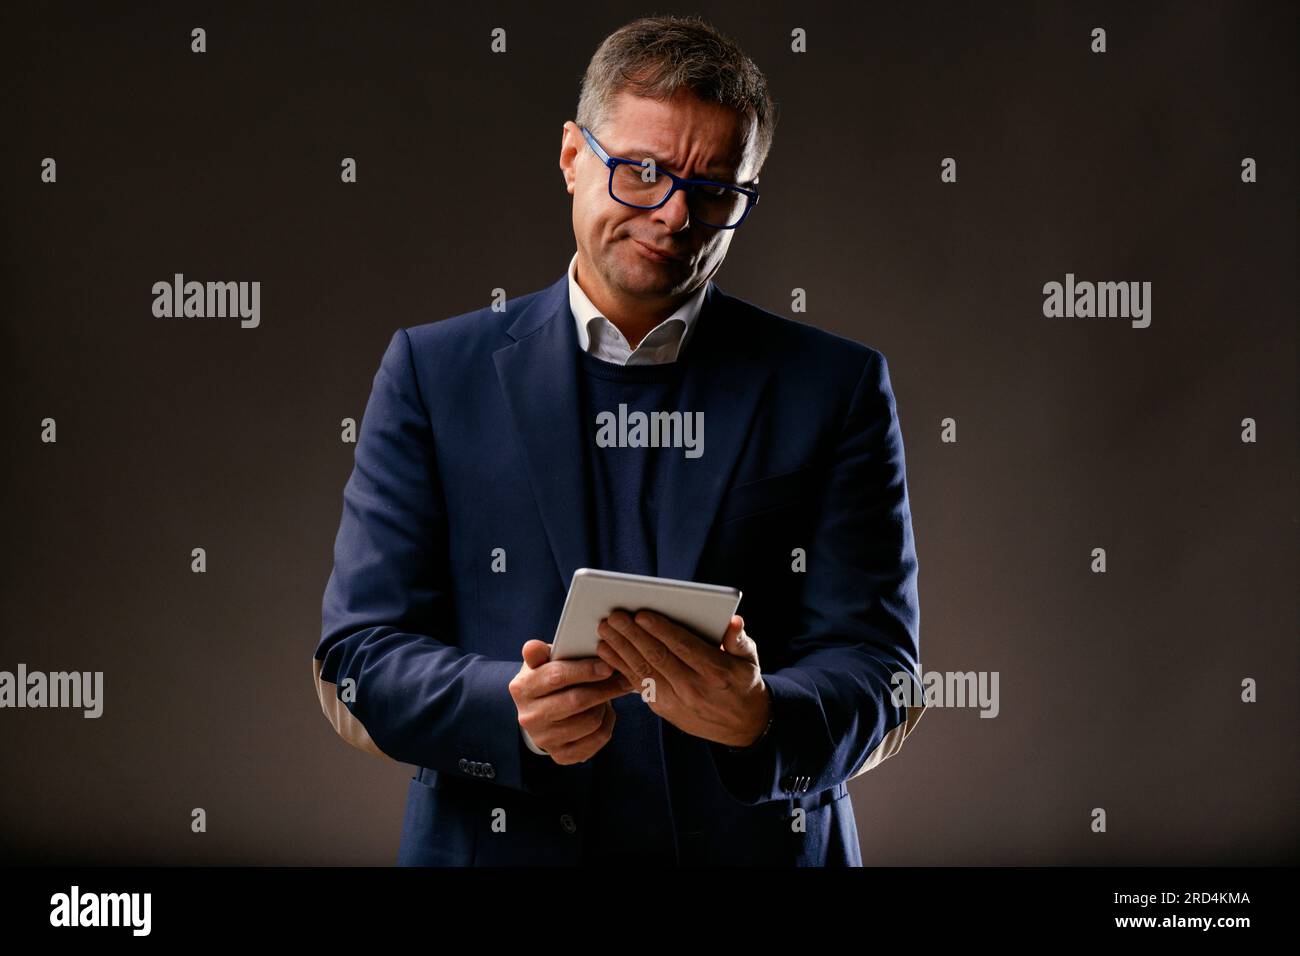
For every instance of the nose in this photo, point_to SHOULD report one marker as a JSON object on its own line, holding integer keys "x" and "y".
{"x": 674, "y": 214}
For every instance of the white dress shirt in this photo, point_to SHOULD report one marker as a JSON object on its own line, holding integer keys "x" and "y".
{"x": 602, "y": 338}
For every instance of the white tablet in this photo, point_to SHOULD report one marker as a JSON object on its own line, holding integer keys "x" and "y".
{"x": 705, "y": 609}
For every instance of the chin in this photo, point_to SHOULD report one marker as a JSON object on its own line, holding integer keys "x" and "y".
{"x": 652, "y": 284}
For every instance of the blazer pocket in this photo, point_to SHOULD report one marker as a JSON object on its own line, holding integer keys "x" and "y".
{"x": 768, "y": 494}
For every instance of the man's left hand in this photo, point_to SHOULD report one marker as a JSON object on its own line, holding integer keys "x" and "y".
{"x": 711, "y": 691}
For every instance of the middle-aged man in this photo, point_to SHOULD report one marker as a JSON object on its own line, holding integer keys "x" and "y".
{"x": 482, "y": 482}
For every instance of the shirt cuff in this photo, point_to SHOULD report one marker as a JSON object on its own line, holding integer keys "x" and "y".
{"x": 528, "y": 741}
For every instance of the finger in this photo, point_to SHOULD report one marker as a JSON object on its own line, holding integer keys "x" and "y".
{"x": 576, "y": 699}
{"x": 584, "y": 749}
{"x": 614, "y": 660}
{"x": 605, "y": 651}
{"x": 555, "y": 676}
{"x": 536, "y": 653}
{"x": 635, "y": 667}
{"x": 739, "y": 644}
{"x": 697, "y": 653}
{"x": 566, "y": 731}
{"x": 734, "y": 627}
{"x": 647, "y": 655}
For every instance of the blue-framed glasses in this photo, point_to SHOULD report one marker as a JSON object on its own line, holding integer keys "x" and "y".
{"x": 643, "y": 186}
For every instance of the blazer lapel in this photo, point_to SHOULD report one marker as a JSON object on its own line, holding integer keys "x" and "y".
{"x": 539, "y": 378}
{"x": 725, "y": 379}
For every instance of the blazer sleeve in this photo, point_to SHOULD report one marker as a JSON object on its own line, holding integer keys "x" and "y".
{"x": 387, "y": 671}
{"x": 836, "y": 708}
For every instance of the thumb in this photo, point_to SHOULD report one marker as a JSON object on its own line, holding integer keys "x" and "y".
{"x": 736, "y": 642}
{"x": 536, "y": 653}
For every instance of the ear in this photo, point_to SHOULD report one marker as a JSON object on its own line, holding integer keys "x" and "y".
{"x": 569, "y": 154}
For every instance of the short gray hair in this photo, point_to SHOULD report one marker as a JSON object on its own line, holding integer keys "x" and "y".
{"x": 657, "y": 56}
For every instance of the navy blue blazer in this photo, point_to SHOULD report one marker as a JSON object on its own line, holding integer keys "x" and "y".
{"x": 471, "y": 441}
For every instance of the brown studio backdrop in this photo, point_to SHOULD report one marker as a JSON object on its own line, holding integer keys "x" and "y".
{"x": 1118, "y": 691}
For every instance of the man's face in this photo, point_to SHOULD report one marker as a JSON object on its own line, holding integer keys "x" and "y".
{"x": 617, "y": 243}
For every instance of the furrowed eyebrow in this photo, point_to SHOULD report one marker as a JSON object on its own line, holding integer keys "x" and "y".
{"x": 640, "y": 153}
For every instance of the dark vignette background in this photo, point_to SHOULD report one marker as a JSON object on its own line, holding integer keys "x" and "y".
{"x": 1118, "y": 691}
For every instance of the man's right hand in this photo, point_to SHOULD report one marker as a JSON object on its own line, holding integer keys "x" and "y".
{"x": 565, "y": 705}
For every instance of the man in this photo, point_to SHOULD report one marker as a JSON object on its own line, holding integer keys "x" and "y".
{"x": 483, "y": 480}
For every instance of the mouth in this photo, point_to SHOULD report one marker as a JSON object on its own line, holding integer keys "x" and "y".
{"x": 655, "y": 255}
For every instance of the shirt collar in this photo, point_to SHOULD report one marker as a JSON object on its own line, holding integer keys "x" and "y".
{"x": 664, "y": 343}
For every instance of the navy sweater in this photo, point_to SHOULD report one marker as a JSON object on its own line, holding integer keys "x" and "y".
{"x": 623, "y": 514}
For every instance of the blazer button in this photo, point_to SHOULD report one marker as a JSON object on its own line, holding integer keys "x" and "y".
{"x": 489, "y": 771}
{"x": 567, "y": 821}
{"x": 463, "y": 764}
